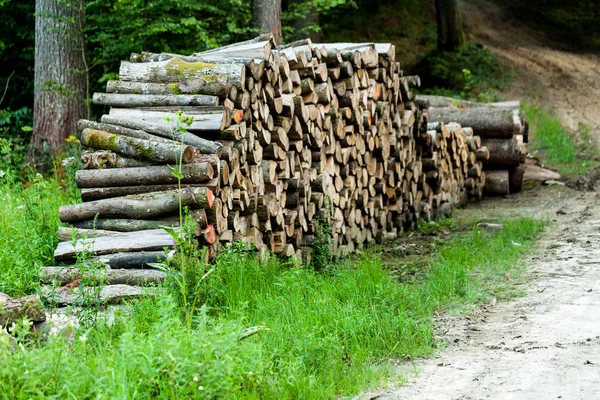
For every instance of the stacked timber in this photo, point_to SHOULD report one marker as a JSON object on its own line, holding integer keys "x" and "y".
{"x": 268, "y": 141}
{"x": 503, "y": 130}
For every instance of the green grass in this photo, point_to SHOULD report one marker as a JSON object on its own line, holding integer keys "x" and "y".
{"x": 557, "y": 148}
{"x": 28, "y": 227}
{"x": 327, "y": 333}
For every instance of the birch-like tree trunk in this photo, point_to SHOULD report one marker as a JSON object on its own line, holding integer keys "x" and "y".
{"x": 266, "y": 17}
{"x": 60, "y": 86}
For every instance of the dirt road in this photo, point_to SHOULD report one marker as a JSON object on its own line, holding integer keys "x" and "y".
{"x": 567, "y": 83}
{"x": 545, "y": 345}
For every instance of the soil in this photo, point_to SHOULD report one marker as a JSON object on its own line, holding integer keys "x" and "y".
{"x": 545, "y": 344}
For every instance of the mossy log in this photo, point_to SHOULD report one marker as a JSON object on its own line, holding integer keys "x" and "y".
{"x": 138, "y": 148}
{"x": 153, "y": 100}
{"x": 192, "y": 86}
{"x": 134, "y": 277}
{"x": 165, "y": 131}
{"x": 139, "y": 206}
{"x": 90, "y": 194}
{"x": 101, "y": 159}
{"x": 177, "y": 70}
{"x": 190, "y": 173}
{"x": 15, "y": 310}
{"x": 120, "y": 130}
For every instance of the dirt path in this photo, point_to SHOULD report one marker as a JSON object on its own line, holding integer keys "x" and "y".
{"x": 545, "y": 345}
{"x": 567, "y": 83}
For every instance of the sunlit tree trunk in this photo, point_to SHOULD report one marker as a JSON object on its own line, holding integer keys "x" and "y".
{"x": 451, "y": 36}
{"x": 60, "y": 83}
{"x": 266, "y": 17}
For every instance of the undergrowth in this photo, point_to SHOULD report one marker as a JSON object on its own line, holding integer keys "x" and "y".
{"x": 28, "y": 219}
{"x": 320, "y": 334}
{"x": 473, "y": 73}
{"x": 556, "y": 146}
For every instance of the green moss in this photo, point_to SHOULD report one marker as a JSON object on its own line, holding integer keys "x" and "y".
{"x": 184, "y": 70}
{"x": 174, "y": 88}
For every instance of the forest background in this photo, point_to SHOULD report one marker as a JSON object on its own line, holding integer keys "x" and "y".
{"x": 112, "y": 29}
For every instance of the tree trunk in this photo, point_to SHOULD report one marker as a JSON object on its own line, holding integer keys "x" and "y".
{"x": 451, "y": 36}
{"x": 266, "y": 17}
{"x": 60, "y": 85}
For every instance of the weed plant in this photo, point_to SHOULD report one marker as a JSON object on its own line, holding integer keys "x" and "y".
{"x": 556, "y": 146}
{"x": 317, "y": 334}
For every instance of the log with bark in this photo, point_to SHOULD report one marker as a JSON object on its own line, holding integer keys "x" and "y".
{"x": 139, "y": 206}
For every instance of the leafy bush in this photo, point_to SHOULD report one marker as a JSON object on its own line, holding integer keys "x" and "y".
{"x": 472, "y": 73}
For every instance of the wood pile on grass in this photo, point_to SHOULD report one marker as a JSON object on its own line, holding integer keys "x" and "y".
{"x": 266, "y": 141}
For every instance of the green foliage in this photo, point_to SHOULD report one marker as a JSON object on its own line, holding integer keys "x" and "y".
{"x": 556, "y": 146}
{"x": 473, "y": 73}
{"x": 322, "y": 245}
{"x": 310, "y": 12}
{"x": 268, "y": 329}
{"x": 28, "y": 226}
{"x": 406, "y": 24}
{"x": 148, "y": 354}
{"x": 117, "y": 28}
{"x": 15, "y": 129}
{"x": 17, "y": 40}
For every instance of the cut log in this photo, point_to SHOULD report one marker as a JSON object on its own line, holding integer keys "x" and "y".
{"x": 120, "y": 130}
{"x": 147, "y": 100}
{"x": 151, "y": 240}
{"x": 503, "y": 153}
{"x": 210, "y": 120}
{"x": 15, "y": 310}
{"x": 177, "y": 70}
{"x": 190, "y": 173}
{"x": 66, "y": 234}
{"x": 111, "y": 294}
{"x": 497, "y": 183}
{"x": 203, "y": 86}
{"x": 486, "y": 122}
{"x": 139, "y": 259}
{"x": 165, "y": 131}
{"x": 140, "y": 206}
{"x": 107, "y": 159}
{"x": 137, "y": 148}
{"x": 134, "y": 277}
{"x": 123, "y": 225}
{"x": 91, "y": 194}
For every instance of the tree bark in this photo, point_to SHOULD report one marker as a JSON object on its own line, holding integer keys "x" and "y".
{"x": 451, "y": 36}
{"x": 141, "y": 206}
{"x": 60, "y": 84}
{"x": 149, "y": 100}
{"x": 134, "y": 277}
{"x": 266, "y": 17}
{"x": 150, "y": 150}
{"x": 191, "y": 173}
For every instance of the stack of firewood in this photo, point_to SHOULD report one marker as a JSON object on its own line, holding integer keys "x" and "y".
{"x": 266, "y": 141}
{"x": 503, "y": 130}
